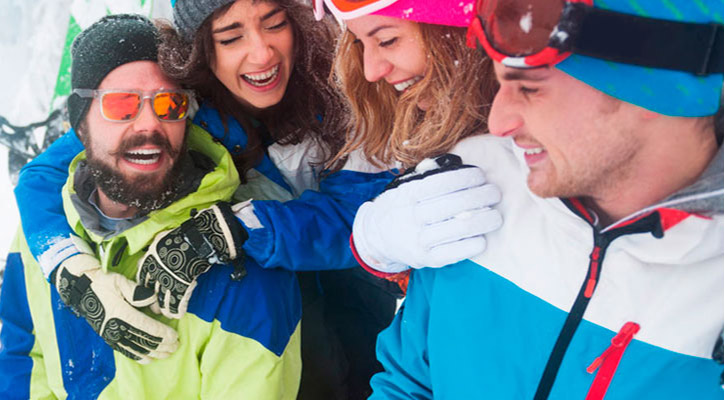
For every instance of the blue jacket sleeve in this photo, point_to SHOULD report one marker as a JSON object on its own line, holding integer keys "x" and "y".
{"x": 402, "y": 347}
{"x": 40, "y": 203}
{"x": 312, "y": 232}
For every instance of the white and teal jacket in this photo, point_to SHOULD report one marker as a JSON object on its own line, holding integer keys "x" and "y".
{"x": 238, "y": 340}
{"x": 558, "y": 303}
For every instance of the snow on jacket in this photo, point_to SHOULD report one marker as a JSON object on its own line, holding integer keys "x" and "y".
{"x": 487, "y": 327}
{"x": 239, "y": 339}
{"x": 305, "y": 234}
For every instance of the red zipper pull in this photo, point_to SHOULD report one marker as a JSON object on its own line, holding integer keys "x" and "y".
{"x": 619, "y": 340}
{"x": 609, "y": 360}
{"x": 593, "y": 266}
{"x": 598, "y": 361}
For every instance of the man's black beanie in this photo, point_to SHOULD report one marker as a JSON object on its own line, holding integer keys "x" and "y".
{"x": 112, "y": 41}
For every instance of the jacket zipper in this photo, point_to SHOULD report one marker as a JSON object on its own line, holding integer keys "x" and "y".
{"x": 608, "y": 361}
{"x": 645, "y": 224}
{"x": 573, "y": 318}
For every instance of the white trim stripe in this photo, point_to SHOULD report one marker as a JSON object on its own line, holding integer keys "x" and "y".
{"x": 56, "y": 254}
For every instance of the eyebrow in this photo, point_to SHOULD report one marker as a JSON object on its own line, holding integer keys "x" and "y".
{"x": 227, "y": 28}
{"x": 378, "y": 29}
{"x": 271, "y": 13}
{"x": 236, "y": 25}
{"x": 521, "y": 75}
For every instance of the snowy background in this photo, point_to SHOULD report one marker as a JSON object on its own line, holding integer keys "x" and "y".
{"x": 31, "y": 49}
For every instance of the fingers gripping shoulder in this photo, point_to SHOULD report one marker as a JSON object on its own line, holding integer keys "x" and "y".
{"x": 434, "y": 214}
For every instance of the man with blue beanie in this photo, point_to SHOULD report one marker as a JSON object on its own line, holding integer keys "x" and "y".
{"x": 607, "y": 276}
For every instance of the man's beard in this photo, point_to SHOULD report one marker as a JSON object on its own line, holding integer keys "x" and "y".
{"x": 143, "y": 192}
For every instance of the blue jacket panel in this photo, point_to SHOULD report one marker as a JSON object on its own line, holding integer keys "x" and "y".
{"x": 264, "y": 305}
{"x": 17, "y": 332}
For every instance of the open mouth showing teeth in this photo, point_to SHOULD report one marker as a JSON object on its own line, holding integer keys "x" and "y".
{"x": 143, "y": 157}
{"x": 401, "y": 86}
{"x": 531, "y": 152}
{"x": 263, "y": 78}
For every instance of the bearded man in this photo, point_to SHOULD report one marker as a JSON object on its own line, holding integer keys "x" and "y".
{"x": 92, "y": 333}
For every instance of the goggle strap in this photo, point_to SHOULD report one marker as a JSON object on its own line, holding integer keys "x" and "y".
{"x": 647, "y": 42}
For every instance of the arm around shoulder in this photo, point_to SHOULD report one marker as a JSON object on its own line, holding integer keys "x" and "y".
{"x": 40, "y": 204}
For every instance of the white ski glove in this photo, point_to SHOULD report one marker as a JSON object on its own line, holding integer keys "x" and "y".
{"x": 433, "y": 215}
{"x": 178, "y": 256}
{"x": 107, "y": 300}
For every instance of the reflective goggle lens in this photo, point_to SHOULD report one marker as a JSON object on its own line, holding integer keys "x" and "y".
{"x": 519, "y": 28}
{"x": 125, "y": 106}
{"x": 120, "y": 106}
{"x": 171, "y": 106}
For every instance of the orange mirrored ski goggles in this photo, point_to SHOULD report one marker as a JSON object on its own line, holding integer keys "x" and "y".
{"x": 125, "y": 105}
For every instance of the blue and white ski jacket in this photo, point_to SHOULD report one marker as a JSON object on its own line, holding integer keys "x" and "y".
{"x": 558, "y": 307}
{"x": 295, "y": 221}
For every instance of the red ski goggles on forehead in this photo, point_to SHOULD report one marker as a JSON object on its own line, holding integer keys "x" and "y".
{"x": 533, "y": 33}
{"x": 125, "y": 105}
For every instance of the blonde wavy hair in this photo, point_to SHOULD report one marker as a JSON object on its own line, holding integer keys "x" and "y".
{"x": 458, "y": 84}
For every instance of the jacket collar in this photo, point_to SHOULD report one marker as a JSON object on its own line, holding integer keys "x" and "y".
{"x": 216, "y": 180}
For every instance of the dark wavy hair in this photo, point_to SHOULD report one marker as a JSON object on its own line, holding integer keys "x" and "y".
{"x": 312, "y": 107}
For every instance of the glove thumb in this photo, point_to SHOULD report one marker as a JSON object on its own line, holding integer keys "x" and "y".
{"x": 135, "y": 295}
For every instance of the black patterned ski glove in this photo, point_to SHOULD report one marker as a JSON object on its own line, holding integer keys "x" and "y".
{"x": 107, "y": 300}
{"x": 177, "y": 257}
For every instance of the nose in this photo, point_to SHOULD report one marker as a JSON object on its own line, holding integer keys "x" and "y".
{"x": 260, "y": 51}
{"x": 504, "y": 119}
{"x": 147, "y": 121}
{"x": 375, "y": 66}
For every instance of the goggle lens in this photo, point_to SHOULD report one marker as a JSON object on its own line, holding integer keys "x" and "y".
{"x": 125, "y": 106}
{"x": 519, "y": 28}
{"x": 120, "y": 106}
{"x": 171, "y": 106}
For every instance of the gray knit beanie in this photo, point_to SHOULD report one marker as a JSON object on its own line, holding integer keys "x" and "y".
{"x": 109, "y": 43}
{"x": 190, "y": 14}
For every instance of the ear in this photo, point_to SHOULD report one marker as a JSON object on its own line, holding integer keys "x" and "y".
{"x": 80, "y": 132}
